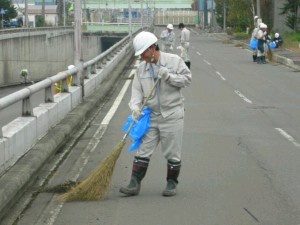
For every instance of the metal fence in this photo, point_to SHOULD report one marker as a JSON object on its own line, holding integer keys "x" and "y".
{"x": 48, "y": 86}
{"x": 164, "y": 17}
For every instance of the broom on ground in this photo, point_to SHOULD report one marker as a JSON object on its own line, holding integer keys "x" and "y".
{"x": 269, "y": 54}
{"x": 96, "y": 185}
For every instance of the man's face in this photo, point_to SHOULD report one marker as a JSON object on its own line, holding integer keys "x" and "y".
{"x": 169, "y": 30}
{"x": 146, "y": 55}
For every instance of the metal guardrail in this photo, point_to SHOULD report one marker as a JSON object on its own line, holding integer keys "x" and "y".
{"x": 20, "y": 30}
{"x": 25, "y": 94}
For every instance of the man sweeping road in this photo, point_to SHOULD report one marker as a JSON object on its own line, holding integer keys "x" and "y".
{"x": 167, "y": 110}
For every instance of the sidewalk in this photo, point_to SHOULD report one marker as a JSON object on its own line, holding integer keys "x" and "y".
{"x": 280, "y": 55}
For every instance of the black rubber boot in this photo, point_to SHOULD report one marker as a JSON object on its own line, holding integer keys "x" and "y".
{"x": 254, "y": 58}
{"x": 139, "y": 170}
{"x": 173, "y": 173}
{"x": 259, "y": 60}
{"x": 263, "y": 59}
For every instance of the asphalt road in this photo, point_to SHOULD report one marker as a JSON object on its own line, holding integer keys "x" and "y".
{"x": 240, "y": 160}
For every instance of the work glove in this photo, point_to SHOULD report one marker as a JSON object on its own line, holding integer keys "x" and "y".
{"x": 163, "y": 73}
{"x": 136, "y": 115}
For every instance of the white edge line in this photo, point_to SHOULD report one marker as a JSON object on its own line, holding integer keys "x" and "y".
{"x": 206, "y": 62}
{"x": 288, "y": 137}
{"x": 116, "y": 104}
{"x": 220, "y": 75}
{"x": 243, "y": 97}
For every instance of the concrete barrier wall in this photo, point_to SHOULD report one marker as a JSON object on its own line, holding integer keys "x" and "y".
{"x": 43, "y": 53}
{"x": 23, "y": 132}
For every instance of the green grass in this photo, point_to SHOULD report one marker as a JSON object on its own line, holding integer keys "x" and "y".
{"x": 291, "y": 37}
{"x": 241, "y": 35}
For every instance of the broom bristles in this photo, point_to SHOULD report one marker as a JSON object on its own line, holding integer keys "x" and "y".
{"x": 270, "y": 55}
{"x": 96, "y": 185}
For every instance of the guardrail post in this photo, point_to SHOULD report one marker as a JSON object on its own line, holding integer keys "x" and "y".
{"x": 75, "y": 80}
{"x": 64, "y": 85}
{"x": 26, "y": 107}
{"x": 93, "y": 69}
{"x": 49, "y": 94}
{"x": 85, "y": 73}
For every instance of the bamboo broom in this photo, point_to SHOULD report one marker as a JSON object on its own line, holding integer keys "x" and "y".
{"x": 269, "y": 53}
{"x": 96, "y": 185}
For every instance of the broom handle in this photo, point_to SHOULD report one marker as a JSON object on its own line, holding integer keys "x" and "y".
{"x": 141, "y": 109}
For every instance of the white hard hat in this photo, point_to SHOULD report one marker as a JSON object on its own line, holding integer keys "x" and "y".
{"x": 142, "y": 41}
{"x": 276, "y": 35}
{"x": 70, "y": 67}
{"x": 170, "y": 26}
{"x": 262, "y": 25}
{"x": 259, "y": 21}
{"x": 255, "y": 17}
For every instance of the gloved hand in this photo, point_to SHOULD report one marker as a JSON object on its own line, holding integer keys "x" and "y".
{"x": 163, "y": 73}
{"x": 136, "y": 114}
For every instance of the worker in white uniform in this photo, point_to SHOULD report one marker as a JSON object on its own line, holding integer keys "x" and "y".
{"x": 167, "y": 110}
{"x": 261, "y": 48}
{"x": 185, "y": 44}
{"x": 167, "y": 38}
{"x": 257, "y": 21}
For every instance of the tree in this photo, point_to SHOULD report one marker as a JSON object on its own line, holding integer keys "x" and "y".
{"x": 239, "y": 13}
{"x": 10, "y": 11}
{"x": 290, "y": 9}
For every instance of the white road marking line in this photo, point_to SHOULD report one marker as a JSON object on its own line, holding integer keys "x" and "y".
{"x": 206, "y": 62}
{"x": 288, "y": 137}
{"x": 243, "y": 96}
{"x": 92, "y": 145}
{"x": 199, "y": 53}
{"x": 220, "y": 75}
{"x": 116, "y": 104}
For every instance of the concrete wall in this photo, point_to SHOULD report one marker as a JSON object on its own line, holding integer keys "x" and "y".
{"x": 43, "y": 53}
{"x": 22, "y": 133}
{"x": 279, "y": 20}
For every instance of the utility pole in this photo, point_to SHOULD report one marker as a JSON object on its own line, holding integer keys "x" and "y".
{"x": 64, "y": 12}
{"x": 43, "y": 12}
{"x": 199, "y": 14}
{"x": 26, "y": 13}
{"x": 142, "y": 14}
{"x": 129, "y": 19}
{"x": 224, "y": 17}
{"x": 78, "y": 58}
{"x": 258, "y": 8}
{"x": 205, "y": 13}
{"x": 212, "y": 13}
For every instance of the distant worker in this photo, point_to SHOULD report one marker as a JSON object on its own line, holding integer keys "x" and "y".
{"x": 261, "y": 36}
{"x": 185, "y": 43}
{"x": 257, "y": 21}
{"x": 168, "y": 39}
{"x": 24, "y": 77}
{"x": 278, "y": 40}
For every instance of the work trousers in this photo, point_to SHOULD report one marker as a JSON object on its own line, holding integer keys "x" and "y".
{"x": 166, "y": 131}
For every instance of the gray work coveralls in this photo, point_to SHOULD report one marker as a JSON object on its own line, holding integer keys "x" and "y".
{"x": 166, "y": 104}
{"x": 168, "y": 41}
{"x": 185, "y": 43}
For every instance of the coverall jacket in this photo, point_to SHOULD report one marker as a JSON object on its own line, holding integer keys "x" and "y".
{"x": 168, "y": 40}
{"x": 185, "y": 43}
